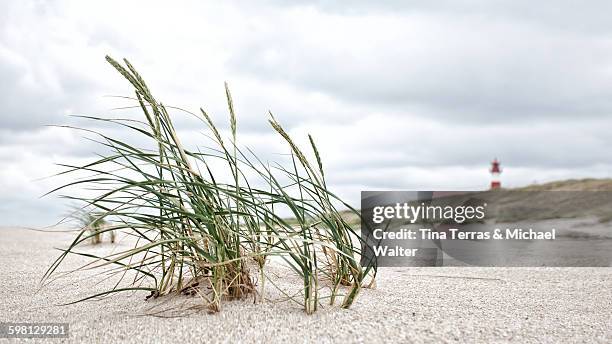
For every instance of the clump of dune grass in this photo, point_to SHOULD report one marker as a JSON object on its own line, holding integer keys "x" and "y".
{"x": 204, "y": 231}
{"x": 92, "y": 223}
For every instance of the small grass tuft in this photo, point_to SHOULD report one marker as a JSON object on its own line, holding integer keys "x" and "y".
{"x": 92, "y": 224}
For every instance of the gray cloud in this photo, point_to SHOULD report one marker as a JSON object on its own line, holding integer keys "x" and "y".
{"x": 398, "y": 94}
{"x": 472, "y": 67}
{"x": 561, "y": 14}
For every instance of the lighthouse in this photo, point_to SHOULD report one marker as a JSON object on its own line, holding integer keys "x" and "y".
{"x": 495, "y": 172}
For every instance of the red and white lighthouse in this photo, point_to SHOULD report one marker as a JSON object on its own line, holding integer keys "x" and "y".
{"x": 495, "y": 172}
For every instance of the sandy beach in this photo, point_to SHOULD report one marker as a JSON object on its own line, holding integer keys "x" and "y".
{"x": 417, "y": 305}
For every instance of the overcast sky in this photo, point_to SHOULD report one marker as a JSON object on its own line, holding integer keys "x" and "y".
{"x": 399, "y": 94}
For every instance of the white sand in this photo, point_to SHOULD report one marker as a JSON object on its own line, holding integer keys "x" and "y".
{"x": 409, "y": 305}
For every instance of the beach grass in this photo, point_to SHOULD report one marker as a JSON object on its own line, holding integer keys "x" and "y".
{"x": 201, "y": 230}
{"x": 92, "y": 223}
